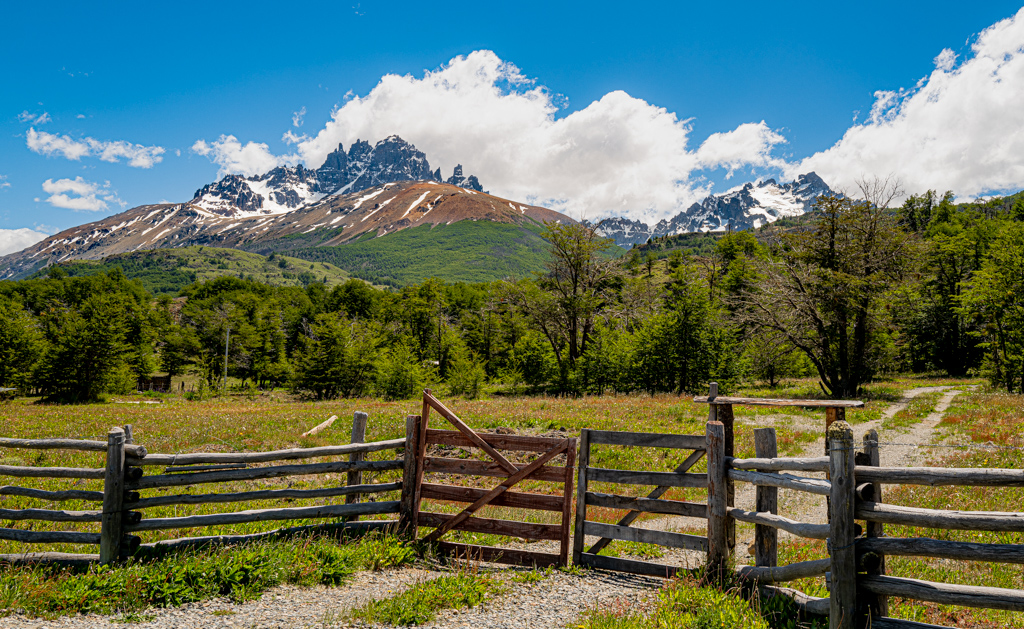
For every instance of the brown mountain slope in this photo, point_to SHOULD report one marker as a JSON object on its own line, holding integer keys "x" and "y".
{"x": 335, "y": 220}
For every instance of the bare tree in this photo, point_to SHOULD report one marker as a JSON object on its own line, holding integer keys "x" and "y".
{"x": 820, "y": 289}
{"x": 880, "y": 191}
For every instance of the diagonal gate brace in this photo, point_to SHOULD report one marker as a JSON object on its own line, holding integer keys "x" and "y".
{"x": 658, "y": 492}
{"x": 497, "y": 491}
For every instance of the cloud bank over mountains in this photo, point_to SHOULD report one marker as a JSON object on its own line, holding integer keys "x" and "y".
{"x": 961, "y": 128}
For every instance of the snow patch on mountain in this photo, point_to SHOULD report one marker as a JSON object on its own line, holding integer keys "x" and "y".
{"x": 749, "y": 206}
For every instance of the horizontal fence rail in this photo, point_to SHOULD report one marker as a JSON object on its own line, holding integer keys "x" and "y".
{"x": 121, "y": 515}
{"x": 635, "y": 505}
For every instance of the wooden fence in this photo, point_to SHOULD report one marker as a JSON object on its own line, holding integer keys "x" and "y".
{"x": 500, "y": 495}
{"x": 855, "y": 569}
{"x": 124, "y": 483}
{"x": 652, "y": 503}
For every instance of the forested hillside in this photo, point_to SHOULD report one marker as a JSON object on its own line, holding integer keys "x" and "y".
{"x": 850, "y": 293}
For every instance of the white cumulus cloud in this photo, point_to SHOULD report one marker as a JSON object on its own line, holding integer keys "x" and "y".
{"x": 961, "y": 128}
{"x": 27, "y": 116}
{"x": 51, "y": 144}
{"x": 297, "y": 117}
{"x": 13, "y": 240}
{"x": 619, "y": 155}
{"x": 233, "y": 157}
{"x": 80, "y": 195}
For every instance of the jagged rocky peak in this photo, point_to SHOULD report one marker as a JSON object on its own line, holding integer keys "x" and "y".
{"x": 457, "y": 179}
{"x": 286, "y": 188}
{"x": 749, "y": 206}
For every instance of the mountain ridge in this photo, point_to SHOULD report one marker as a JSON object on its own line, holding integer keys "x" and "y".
{"x": 749, "y": 206}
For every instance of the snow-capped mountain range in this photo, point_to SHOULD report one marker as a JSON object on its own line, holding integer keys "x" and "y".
{"x": 749, "y": 206}
{"x": 284, "y": 189}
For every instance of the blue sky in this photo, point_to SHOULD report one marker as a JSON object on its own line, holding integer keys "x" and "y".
{"x": 658, "y": 104}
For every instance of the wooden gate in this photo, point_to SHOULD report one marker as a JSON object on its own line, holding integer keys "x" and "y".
{"x": 500, "y": 495}
{"x": 652, "y": 503}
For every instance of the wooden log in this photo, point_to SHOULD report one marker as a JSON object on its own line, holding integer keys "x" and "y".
{"x": 940, "y": 476}
{"x": 899, "y": 623}
{"x": 355, "y": 477}
{"x": 800, "y": 529}
{"x": 581, "y": 497}
{"x": 515, "y": 499}
{"x": 198, "y": 458}
{"x": 785, "y": 481}
{"x": 877, "y": 605}
{"x": 520, "y": 443}
{"x": 55, "y": 496}
{"x": 807, "y": 604}
{"x": 648, "y": 505}
{"x": 333, "y": 528}
{"x": 51, "y": 472}
{"x": 792, "y": 572}
{"x": 204, "y": 468}
{"x": 753, "y": 401}
{"x": 660, "y": 479}
{"x": 421, "y": 466}
{"x": 1007, "y": 522}
{"x": 943, "y": 549}
{"x": 766, "y": 500}
{"x": 718, "y": 548}
{"x": 77, "y": 561}
{"x": 512, "y": 528}
{"x": 255, "y": 473}
{"x": 788, "y": 464}
{"x": 498, "y": 555}
{"x": 725, "y": 415}
{"x": 136, "y": 451}
{"x": 656, "y": 493}
{"x": 646, "y": 536}
{"x": 570, "y": 467}
{"x": 48, "y": 515}
{"x": 647, "y": 439}
{"x": 263, "y": 515}
{"x": 49, "y": 537}
{"x": 468, "y": 432}
{"x": 633, "y": 566}
{"x": 843, "y": 593}
{"x": 497, "y": 491}
{"x": 265, "y": 494}
{"x": 321, "y": 426}
{"x": 111, "y": 525}
{"x": 486, "y": 468}
{"x": 407, "y": 517}
{"x": 945, "y": 593}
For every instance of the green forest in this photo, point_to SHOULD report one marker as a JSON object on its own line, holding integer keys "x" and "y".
{"x": 850, "y": 292}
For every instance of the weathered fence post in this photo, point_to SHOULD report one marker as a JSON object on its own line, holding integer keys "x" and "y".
{"x": 113, "y": 497}
{"x": 833, "y": 414}
{"x": 356, "y": 477}
{"x": 724, "y": 414}
{"x": 843, "y": 590}
{"x": 718, "y": 538}
{"x": 407, "y": 517}
{"x": 766, "y": 538}
{"x": 875, "y": 604}
{"x": 581, "y": 493}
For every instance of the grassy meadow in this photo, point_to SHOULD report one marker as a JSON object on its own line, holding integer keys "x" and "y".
{"x": 171, "y": 424}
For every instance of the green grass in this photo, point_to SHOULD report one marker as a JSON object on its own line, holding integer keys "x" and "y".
{"x": 679, "y": 605}
{"x": 917, "y": 409}
{"x": 167, "y": 271}
{"x": 240, "y": 573}
{"x": 421, "y": 603}
{"x": 466, "y": 251}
